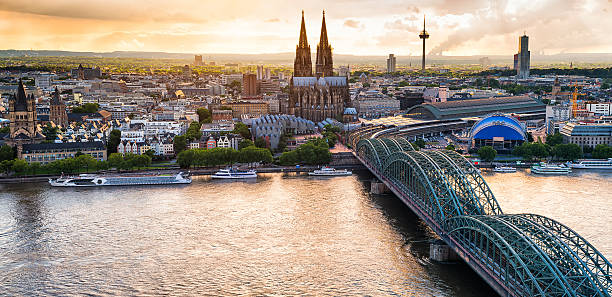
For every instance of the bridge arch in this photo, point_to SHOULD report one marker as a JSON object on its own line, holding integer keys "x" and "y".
{"x": 479, "y": 185}
{"x": 501, "y": 257}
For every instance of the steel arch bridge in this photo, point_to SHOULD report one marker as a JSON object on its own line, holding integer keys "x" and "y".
{"x": 517, "y": 254}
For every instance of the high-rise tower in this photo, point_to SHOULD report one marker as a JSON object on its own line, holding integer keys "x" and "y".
{"x": 325, "y": 65}
{"x": 424, "y": 35}
{"x": 302, "y": 66}
{"x": 524, "y": 57}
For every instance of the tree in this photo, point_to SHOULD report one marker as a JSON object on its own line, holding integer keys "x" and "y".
{"x": 261, "y": 143}
{"x": 243, "y": 130}
{"x": 5, "y": 130}
{"x": 540, "y": 150}
{"x": 331, "y": 138}
{"x": 150, "y": 153}
{"x": 85, "y": 161}
{"x": 193, "y": 132}
{"x": 568, "y": 151}
{"x": 34, "y": 167}
{"x": 529, "y": 137}
{"x": 245, "y": 143}
{"x": 49, "y": 132}
{"x": 332, "y": 128}
{"x": 554, "y": 139}
{"x": 602, "y": 151}
{"x": 186, "y": 158}
{"x": 450, "y": 147}
{"x": 420, "y": 143}
{"x": 113, "y": 141}
{"x": 20, "y": 166}
{"x": 114, "y": 160}
{"x": 605, "y": 86}
{"x": 6, "y": 153}
{"x": 204, "y": 115}
{"x": 487, "y": 153}
{"x": 86, "y": 108}
{"x": 6, "y": 166}
{"x": 179, "y": 143}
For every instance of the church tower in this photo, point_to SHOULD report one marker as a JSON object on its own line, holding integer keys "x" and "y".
{"x": 57, "y": 112}
{"x": 22, "y": 114}
{"x": 325, "y": 65}
{"x": 302, "y": 66}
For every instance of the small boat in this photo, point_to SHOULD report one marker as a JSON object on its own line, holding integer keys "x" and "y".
{"x": 95, "y": 180}
{"x": 233, "y": 173}
{"x": 550, "y": 169}
{"x": 504, "y": 169}
{"x": 328, "y": 171}
{"x": 591, "y": 164}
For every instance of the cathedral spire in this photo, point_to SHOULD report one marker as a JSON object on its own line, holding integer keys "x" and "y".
{"x": 303, "y": 39}
{"x": 302, "y": 66}
{"x": 323, "y": 40}
{"x": 324, "y": 64}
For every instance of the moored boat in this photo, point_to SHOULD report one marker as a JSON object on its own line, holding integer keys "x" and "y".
{"x": 504, "y": 169}
{"x": 233, "y": 173}
{"x": 550, "y": 169}
{"x": 95, "y": 180}
{"x": 591, "y": 164}
{"x": 328, "y": 171}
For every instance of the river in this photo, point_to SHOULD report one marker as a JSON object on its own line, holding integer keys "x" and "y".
{"x": 281, "y": 235}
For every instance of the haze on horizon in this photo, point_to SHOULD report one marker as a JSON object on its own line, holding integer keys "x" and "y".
{"x": 357, "y": 27}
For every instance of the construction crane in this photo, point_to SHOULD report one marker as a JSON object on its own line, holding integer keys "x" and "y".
{"x": 575, "y": 100}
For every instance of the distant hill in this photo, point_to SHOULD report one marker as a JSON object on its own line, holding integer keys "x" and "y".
{"x": 339, "y": 59}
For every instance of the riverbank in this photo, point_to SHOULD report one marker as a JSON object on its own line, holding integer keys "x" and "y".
{"x": 193, "y": 171}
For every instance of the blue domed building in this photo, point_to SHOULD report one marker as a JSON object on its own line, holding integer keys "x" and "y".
{"x": 502, "y": 132}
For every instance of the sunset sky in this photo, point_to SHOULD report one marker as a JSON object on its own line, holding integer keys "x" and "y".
{"x": 359, "y": 27}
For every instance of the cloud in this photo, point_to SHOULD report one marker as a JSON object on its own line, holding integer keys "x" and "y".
{"x": 455, "y": 26}
{"x": 352, "y": 24}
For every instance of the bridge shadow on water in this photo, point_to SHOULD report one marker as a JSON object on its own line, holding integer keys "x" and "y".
{"x": 457, "y": 276}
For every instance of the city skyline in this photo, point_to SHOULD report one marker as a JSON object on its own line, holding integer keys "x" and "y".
{"x": 369, "y": 28}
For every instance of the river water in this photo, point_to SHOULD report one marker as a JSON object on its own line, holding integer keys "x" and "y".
{"x": 281, "y": 235}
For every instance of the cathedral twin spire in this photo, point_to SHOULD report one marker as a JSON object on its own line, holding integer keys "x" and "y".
{"x": 303, "y": 63}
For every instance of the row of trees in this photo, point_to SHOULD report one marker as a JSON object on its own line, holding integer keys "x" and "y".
{"x": 535, "y": 151}
{"x": 223, "y": 156}
{"x": 313, "y": 152}
{"x": 79, "y": 163}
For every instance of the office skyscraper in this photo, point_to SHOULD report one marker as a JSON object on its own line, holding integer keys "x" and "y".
{"x": 391, "y": 61}
{"x": 523, "y": 57}
{"x": 260, "y": 72}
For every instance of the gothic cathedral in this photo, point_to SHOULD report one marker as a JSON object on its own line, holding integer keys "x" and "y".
{"x": 323, "y": 95}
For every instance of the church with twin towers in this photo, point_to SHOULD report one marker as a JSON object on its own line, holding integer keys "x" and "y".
{"x": 319, "y": 95}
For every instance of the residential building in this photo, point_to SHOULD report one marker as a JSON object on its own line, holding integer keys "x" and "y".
{"x": 252, "y": 108}
{"x": 249, "y": 85}
{"x": 221, "y": 115}
{"x": 48, "y": 152}
{"x": 599, "y": 108}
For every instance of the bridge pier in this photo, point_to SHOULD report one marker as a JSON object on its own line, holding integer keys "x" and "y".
{"x": 378, "y": 187}
{"x": 439, "y": 251}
